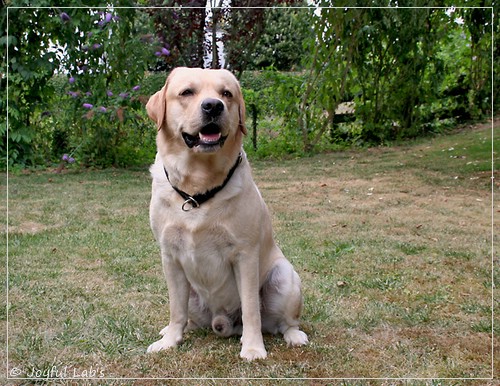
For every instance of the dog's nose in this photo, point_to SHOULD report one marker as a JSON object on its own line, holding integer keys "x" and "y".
{"x": 212, "y": 107}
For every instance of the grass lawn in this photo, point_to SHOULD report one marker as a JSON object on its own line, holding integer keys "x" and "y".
{"x": 393, "y": 246}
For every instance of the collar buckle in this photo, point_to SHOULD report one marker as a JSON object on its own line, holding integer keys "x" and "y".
{"x": 198, "y": 199}
{"x": 190, "y": 201}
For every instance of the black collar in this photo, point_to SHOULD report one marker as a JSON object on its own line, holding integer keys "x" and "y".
{"x": 197, "y": 199}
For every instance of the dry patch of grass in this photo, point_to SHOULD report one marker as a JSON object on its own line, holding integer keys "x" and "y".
{"x": 393, "y": 246}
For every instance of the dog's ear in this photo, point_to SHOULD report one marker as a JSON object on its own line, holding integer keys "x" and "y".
{"x": 242, "y": 113}
{"x": 157, "y": 107}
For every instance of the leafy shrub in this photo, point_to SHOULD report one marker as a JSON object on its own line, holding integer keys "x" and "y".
{"x": 94, "y": 112}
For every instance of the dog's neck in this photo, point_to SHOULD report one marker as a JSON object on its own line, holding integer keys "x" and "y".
{"x": 198, "y": 174}
{"x": 197, "y": 199}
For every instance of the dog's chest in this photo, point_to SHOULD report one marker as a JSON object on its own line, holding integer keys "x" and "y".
{"x": 206, "y": 256}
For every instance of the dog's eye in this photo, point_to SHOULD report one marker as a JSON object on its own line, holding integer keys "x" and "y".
{"x": 187, "y": 92}
{"x": 227, "y": 94}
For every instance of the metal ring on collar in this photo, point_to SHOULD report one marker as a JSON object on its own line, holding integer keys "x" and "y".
{"x": 192, "y": 202}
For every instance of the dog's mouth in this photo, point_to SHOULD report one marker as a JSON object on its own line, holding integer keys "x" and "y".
{"x": 209, "y": 138}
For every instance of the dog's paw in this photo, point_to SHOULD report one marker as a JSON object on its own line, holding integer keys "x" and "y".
{"x": 164, "y": 343}
{"x": 159, "y": 345}
{"x": 252, "y": 353}
{"x": 164, "y": 331}
{"x": 295, "y": 337}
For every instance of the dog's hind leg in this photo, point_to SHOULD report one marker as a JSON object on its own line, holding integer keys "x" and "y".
{"x": 282, "y": 303}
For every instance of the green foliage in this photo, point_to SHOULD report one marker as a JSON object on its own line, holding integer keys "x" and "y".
{"x": 30, "y": 69}
{"x": 280, "y": 44}
{"x": 407, "y": 72}
{"x": 277, "y": 97}
{"x": 94, "y": 112}
{"x": 278, "y": 131}
{"x": 78, "y": 77}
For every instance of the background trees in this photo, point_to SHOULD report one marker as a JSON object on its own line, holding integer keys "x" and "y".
{"x": 397, "y": 66}
{"x": 78, "y": 77}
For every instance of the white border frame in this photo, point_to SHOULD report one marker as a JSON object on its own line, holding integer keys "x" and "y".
{"x": 10, "y": 371}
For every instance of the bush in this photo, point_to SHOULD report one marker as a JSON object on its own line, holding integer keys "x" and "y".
{"x": 119, "y": 134}
{"x": 95, "y": 110}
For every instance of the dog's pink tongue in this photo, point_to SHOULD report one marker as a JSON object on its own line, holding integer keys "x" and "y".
{"x": 210, "y": 137}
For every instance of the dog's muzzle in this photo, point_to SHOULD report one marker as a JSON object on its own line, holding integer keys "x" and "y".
{"x": 210, "y": 137}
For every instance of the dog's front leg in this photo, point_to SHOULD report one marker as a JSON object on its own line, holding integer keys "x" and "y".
{"x": 178, "y": 290}
{"x": 247, "y": 278}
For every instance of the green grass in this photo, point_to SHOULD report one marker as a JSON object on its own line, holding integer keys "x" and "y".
{"x": 392, "y": 245}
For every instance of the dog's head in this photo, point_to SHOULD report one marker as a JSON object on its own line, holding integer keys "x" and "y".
{"x": 199, "y": 109}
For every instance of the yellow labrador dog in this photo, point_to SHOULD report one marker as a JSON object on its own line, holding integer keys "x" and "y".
{"x": 222, "y": 266}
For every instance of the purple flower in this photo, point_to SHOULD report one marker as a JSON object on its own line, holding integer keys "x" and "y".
{"x": 64, "y": 16}
{"x": 123, "y": 94}
{"x": 71, "y": 80}
{"x": 96, "y": 46}
{"x": 162, "y": 52}
{"x": 109, "y": 93}
{"x": 103, "y": 109}
{"x": 108, "y": 17}
{"x": 88, "y": 106}
{"x": 67, "y": 158}
{"x": 136, "y": 88}
{"x": 88, "y": 93}
{"x": 73, "y": 94}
